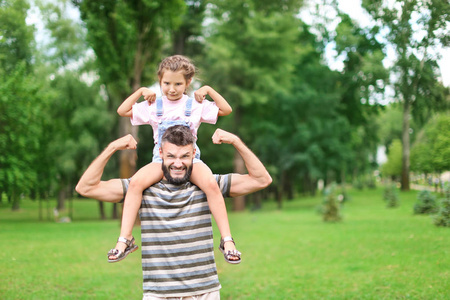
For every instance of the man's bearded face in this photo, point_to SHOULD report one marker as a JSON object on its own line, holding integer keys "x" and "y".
{"x": 177, "y": 162}
{"x": 176, "y": 180}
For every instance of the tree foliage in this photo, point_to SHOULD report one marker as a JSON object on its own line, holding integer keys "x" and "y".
{"x": 431, "y": 152}
{"x": 127, "y": 38}
{"x": 20, "y": 103}
{"x": 414, "y": 28}
{"x": 305, "y": 121}
{"x": 442, "y": 217}
{"x": 393, "y": 166}
{"x": 16, "y": 38}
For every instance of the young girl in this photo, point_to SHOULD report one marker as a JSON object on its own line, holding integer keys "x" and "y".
{"x": 175, "y": 74}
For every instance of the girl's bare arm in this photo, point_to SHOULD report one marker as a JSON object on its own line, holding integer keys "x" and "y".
{"x": 126, "y": 108}
{"x": 224, "y": 108}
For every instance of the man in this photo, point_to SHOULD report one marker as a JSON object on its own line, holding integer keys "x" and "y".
{"x": 177, "y": 245}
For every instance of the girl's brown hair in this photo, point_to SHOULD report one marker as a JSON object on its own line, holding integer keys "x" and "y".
{"x": 177, "y": 63}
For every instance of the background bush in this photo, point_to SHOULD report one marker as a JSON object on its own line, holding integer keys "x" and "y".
{"x": 426, "y": 203}
{"x": 391, "y": 195}
{"x": 443, "y": 216}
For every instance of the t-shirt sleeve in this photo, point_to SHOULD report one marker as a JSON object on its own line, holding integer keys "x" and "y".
{"x": 210, "y": 112}
{"x": 140, "y": 113}
{"x": 125, "y": 183}
{"x": 224, "y": 182}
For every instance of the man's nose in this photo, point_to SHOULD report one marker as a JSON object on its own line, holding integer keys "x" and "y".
{"x": 177, "y": 163}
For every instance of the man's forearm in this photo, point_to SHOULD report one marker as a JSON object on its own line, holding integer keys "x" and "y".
{"x": 91, "y": 185}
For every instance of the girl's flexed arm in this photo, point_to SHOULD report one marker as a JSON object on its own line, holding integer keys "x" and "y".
{"x": 224, "y": 108}
{"x": 126, "y": 108}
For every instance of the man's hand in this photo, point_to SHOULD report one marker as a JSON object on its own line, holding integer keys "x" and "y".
{"x": 148, "y": 95}
{"x": 124, "y": 143}
{"x": 221, "y": 136}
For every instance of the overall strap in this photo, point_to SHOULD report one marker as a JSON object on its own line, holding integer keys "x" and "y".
{"x": 188, "y": 110}
{"x": 159, "y": 107}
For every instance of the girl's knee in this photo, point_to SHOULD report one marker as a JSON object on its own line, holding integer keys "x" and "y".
{"x": 137, "y": 184}
{"x": 210, "y": 185}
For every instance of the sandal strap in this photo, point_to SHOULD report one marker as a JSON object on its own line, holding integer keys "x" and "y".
{"x": 126, "y": 241}
{"x": 224, "y": 240}
{"x": 227, "y": 239}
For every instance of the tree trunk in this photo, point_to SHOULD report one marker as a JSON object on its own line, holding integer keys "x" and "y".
{"x": 127, "y": 157}
{"x": 179, "y": 41}
{"x": 256, "y": 201}
{"x": 15, "y": 198}
{"x": 289, "y": 188}
{"x": 239, "y": 167}
{"x": 238, "y": 164}
{"x": 280, "y": 189}
{"x": 405, "y": 143}
{"x": 101, "y": 208}
{"x": 62, "y": 195}
{"x": 115, "y": 213}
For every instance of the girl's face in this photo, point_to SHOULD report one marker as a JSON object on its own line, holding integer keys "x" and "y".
{"x": 173, "y": 84}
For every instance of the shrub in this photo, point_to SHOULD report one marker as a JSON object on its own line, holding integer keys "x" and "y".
{"x": 426, "y": 203}
{"x": 391, "y": 195}
{"x": 344, "y": 197}
{"x": 358, "y": 184}
{"x": 443, "y": 216}
{"x": 330, "y": 205}
{"x": 370, "y": 182}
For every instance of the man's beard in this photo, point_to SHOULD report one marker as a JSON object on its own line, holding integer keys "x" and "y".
{"x": 177, "y": 181}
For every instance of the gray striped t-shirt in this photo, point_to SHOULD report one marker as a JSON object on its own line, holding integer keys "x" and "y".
{"x": 177, "y": 239}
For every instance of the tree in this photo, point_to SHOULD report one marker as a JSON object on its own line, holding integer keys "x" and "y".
{"x": 303, "y": 141}
{"x": 76, "y": 121}
{"x": 19, "y": 133}
{"x": 188, "y": 37}
{"x": 393, "y": 166}
{"x": 431, "y": 152}
{"x": 20, "y": 103}
{"x": 415, "y": 29}
{"x": 127, "y": 38}
{"x": 16, "y": 37}
{"x": 361, "y": 86}
{"x": 250, "y": 51}
{"x": 389, "y": 123}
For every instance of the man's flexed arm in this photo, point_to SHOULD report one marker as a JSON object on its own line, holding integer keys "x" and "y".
{"x": 257, "y": 178}
{"x": 90, "y": 184}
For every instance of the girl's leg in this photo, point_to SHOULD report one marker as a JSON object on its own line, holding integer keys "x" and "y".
{"x": 145, "y": 177}
{"x": 203, "y": 178}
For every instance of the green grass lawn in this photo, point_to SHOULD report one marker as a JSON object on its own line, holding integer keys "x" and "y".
{"x": 374, "y": 253}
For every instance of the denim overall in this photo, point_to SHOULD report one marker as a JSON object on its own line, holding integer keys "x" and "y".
{"x": 164, "y": 124}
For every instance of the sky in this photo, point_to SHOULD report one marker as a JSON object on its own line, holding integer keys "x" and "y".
{"x": 354, "y": 10}
{"x": 351, "y": 7}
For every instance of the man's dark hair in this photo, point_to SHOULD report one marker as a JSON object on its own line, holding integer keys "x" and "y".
{"x": 179, "y": 135}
